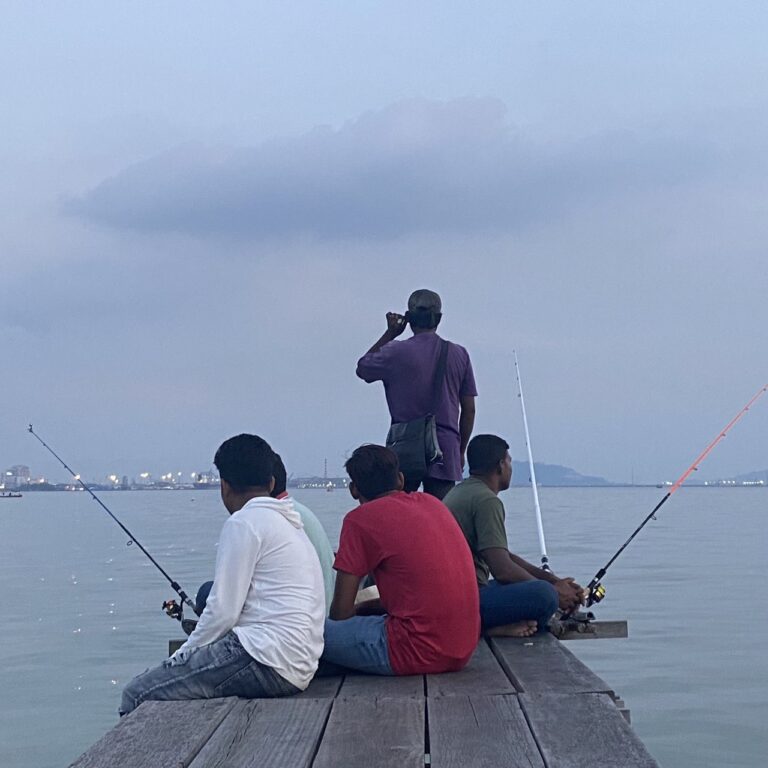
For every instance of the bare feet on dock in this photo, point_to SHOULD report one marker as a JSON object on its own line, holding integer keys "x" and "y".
{"x": 518, "y": 629}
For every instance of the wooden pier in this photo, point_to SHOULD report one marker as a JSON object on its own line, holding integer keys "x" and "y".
{"x": 526, "y": 702}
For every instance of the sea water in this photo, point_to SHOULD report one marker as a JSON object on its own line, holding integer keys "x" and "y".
{"x": 81, "y": 609}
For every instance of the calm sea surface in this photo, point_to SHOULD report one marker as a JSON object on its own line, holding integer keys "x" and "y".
{"x": 81, "y": 610}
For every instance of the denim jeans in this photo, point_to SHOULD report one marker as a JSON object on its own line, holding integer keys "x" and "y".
{"x": 223, "y": 668}
{"x": 358, "y": 643}
{"x": 507, "y": 603}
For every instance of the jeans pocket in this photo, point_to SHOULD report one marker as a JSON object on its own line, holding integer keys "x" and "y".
{"x": 255, "y": 681}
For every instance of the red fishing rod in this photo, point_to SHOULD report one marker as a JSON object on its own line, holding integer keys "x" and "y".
{"x": 595, "y": 590}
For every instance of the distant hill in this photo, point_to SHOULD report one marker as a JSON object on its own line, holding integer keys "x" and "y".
{"x": 752, "y": 477}
{"x": 552, "y": 474}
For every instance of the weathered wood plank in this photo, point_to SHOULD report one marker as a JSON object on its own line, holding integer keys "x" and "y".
{"x": 583, "y": 731}
{"x": 373, "y": 732}
{"x": 267, "y": 733}
{"x": 541, "y": 664}
{"x": 322, "y": 688}
{"x": 483, "y": 675}
{"x": 158, "y": 734}
{"x": 595, "y": 630}
{"x": 174, "y": 645}
{"x": 380, "y": 685}
{"x": 480, "y": 731}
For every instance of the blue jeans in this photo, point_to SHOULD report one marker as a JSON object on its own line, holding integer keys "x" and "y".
{"x": 223, "y": 668}
{"x": 358, "y": 643}
{"x": 524, "y": 600}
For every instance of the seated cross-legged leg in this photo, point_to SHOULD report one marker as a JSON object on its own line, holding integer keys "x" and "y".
{"x": 519, "y": 609}
{"x": 222, "y": 668}
{"x": 358, "y": 643}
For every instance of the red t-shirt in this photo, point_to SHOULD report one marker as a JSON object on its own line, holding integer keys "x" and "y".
{"x": 423, "y": 568}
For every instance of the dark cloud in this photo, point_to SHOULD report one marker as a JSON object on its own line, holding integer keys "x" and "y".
{"x": 416, "y": 166}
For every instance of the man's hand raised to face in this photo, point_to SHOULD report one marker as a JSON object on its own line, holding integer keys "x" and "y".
{"x": 395, "y": 324}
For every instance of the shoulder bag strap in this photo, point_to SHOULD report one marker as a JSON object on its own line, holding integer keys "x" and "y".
{"x": 437, "y": 384}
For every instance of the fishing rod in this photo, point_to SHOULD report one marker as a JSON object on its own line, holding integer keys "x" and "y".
{"x": 537, "y": 507}
{"x": 170, "y": 606}
{"x": 595, "y": 590}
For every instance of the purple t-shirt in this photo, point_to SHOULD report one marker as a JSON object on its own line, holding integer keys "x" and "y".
{"x": 407, "y": 369}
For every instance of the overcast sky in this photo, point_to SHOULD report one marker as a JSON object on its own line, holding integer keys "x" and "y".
{"x": 206, "y": 211}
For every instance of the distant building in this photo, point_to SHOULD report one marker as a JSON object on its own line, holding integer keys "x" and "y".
{"x": 16, "y": 476}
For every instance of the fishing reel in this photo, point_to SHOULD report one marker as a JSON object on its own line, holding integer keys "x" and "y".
{"x": 595, "y": 593}
{"x": 173, "y": 609}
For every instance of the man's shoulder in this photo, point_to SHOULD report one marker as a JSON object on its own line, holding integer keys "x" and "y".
{"x": 383, "y": 509}
{"x": 470, "y": 488}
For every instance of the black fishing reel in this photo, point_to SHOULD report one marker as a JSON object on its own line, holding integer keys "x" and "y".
{"x": 173, "y": 609}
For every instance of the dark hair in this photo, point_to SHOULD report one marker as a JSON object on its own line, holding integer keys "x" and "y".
{"x": 374, "y": 470}
{"x": 245, "y": 461}
{"x": 280, "y": 475}
{"x": 484, "y": 453}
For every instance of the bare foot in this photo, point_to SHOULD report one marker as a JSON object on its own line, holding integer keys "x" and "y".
{"x": 518, "y": 629}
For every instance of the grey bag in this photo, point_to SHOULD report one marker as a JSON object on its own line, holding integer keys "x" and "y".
{"x": 415, "y": 442}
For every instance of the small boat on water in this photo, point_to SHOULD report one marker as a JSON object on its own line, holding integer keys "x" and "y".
{"x": 9, "y": 495}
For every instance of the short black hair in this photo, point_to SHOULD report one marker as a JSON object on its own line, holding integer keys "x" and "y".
{"x": 484, "y": 453}
{"x": 280, "y": 475}
{"x": 374, "y": 469}
{"x": 245, "y": 461}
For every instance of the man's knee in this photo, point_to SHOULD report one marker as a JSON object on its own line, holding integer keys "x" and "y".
{"x": 130, "y": 698}
{"x": 546, "y": 595}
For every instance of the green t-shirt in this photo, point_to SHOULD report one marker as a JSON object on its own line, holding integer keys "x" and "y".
{"x": 480, "y": 514}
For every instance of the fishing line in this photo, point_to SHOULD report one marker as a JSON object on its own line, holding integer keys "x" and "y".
{"x": 131, "y": 538}
{"x": 537, "y": 507}
{"x": 595, "y": 590}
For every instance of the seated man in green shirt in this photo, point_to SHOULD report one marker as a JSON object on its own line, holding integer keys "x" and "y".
{"x": 521, "y": 598}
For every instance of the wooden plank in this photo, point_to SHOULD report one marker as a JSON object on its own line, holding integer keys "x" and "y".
{"x": 174, "y": 645}
{"x": 378, "y": 732}
{"x": 322, "y": 688}
{"x": 480, "y": 731}
{"x": 267, "y": 733}
{"x": 158, "y": 734}
{"x": 541, "y": 664}
{"x": 583, "y": 731}
{"x": 382, "y": 685}
{"x": 594, "y": 630}
{"x": 483, "y": 675}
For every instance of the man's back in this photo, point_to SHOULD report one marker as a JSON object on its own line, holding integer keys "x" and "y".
{"x": 480, "y": 515}
{"x": 407, "y": 370}
{"x": 424, "y": 573}
{"x": 319, "y": 538}
{"x": 268, "y": 589}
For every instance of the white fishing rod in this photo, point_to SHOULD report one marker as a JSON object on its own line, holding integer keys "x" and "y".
{"x": 539, "y": 523}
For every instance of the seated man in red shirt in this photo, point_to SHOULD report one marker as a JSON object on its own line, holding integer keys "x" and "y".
{"x": 426, "y": 619}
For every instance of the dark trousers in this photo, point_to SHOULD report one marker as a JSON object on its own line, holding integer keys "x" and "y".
{"x": 524, "y": 600}
{"x": 432, "y": 486}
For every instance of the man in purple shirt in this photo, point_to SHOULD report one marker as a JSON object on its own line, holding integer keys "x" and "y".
{"x": 408, "y": 368}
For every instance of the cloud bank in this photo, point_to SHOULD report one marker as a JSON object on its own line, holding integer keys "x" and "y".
{"x": 417, "y": 166}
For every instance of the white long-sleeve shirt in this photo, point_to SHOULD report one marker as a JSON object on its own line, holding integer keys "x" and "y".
{"x": 268, "y": 588}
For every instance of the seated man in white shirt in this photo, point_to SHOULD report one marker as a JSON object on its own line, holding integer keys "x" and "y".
{"x": 261, "y": 633}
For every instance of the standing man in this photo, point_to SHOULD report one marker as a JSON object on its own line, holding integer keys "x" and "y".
{"x": 261, "y": 633}
{"x": 407, "y": 369}
{"x": 521, "y": 598}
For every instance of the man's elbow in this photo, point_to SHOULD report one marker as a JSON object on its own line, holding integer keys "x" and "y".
{"x": 341, "y": 613}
